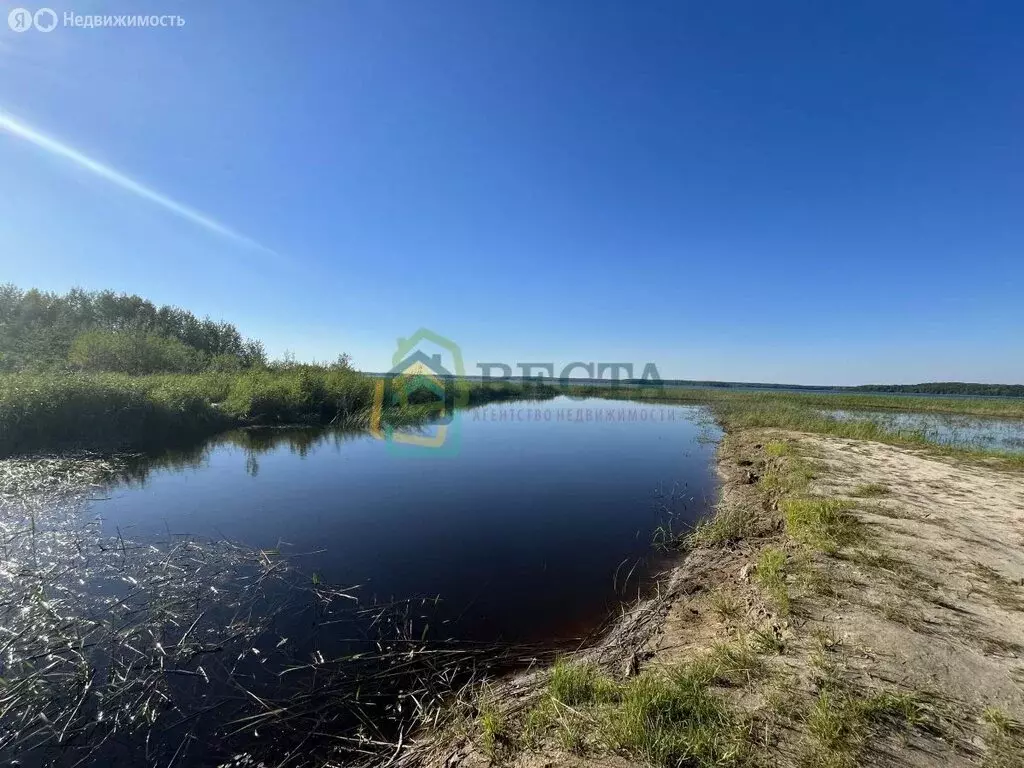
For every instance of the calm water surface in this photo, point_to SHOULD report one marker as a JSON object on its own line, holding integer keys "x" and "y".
{"x": 528, "y": 532}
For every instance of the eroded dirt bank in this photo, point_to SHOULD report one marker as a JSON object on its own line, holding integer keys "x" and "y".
{"x": 852, "y": 603}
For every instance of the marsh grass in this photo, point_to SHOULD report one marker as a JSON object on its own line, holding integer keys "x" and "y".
{"x": 766, "y": 402}
{"x": 806, "y": 412}
{"x": 801, "y": 413}
{"x": 108, "y": 411}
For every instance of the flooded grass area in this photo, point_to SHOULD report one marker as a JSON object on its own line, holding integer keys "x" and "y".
{"x": 960, "y": 430}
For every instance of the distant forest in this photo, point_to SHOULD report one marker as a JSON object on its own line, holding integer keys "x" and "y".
{"x": 947, "y": 388}
{"x": 931, "y": 388}
{"x": 107, "y": 331}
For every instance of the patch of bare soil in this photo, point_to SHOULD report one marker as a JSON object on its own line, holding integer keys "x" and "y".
{"x": 901, "y": 646}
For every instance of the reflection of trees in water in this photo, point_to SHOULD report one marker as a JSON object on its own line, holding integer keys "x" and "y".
{"x": 253, "y": 442}
{"x": 258, "y": 441}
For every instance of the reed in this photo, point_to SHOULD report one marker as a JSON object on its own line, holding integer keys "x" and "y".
{"x": 118, "y": 651}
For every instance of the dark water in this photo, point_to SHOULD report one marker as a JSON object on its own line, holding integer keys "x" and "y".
{"x": 947, "y": 428}
{"x": 533, "y": 529}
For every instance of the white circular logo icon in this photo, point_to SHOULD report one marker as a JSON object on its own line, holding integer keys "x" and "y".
{"x": 45, "y": 20}
{"x": 20, "y": 20}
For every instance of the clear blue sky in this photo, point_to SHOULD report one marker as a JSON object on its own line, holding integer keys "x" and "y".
{"x": 792, "y": 191}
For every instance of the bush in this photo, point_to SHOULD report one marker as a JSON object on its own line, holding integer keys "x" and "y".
{"x": 116, "y": 411}
{"x": 132, "y": 352}
{"x": 111, "y": 412}
{"x": 304, "y": 393}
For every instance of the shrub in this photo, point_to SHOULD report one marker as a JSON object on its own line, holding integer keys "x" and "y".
{"x": 110, "y": 412}
{"x": 132, "y": 352}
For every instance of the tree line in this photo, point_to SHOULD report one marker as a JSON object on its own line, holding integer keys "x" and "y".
{"x": 109, "y": 331}
{"x": 948, "y": 388}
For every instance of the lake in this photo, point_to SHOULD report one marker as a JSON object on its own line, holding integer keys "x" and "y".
{"x": 533, "y": 530}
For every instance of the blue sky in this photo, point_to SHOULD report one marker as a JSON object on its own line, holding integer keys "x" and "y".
{"x": 809, "y": 192}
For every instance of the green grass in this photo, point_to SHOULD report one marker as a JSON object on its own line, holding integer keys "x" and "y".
{"x": 840, "y": 721}
{"x": 767, "y": 641}
{"x": 771, "y": 575}
{"x": 575, "y": 684}
{"x": 492, "y": 729}
{"x": 673, "y": 718}
{"x": 998, "y": 719}
{"x": 664, "y": 717}
{"x": 765, "y": 403}
{"x": 730, "y": 664}
{"x": 54, "y": 411}
{"x": 870, "y": 490}
{"x": 787, "y": 475}
{"x": 901, "y": 709}
{"x": 725, "y": 605}
{"x": 1004, "y": 740}
{"x": 824, "y": 524}
{"x": 801, "y": 413}
{"x": 778, "y": 449}
{"x": 728, "y": 524}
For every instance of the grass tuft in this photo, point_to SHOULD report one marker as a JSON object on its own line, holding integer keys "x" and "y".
{"x": 768, "y": 641}
{"x": 824, "y": 524}
{"x": 673, "y": 718}
{"x": 575, "y": 684}
{"x": 729, "y": 523}
{"x": 664, "y": 717}
{"x": 726, "y": 605}
{"x": 492, "y": 729}
{"x": 771, "y": 575}
{"x": 777, "y": 449}
{"x": 870, "y": 490}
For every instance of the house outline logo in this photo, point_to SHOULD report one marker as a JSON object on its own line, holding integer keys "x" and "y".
{"x": 414, "y": 371}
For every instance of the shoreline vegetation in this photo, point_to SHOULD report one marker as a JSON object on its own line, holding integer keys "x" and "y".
{"x": 110, "y": 413}
{"x": 107, "y": 372}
